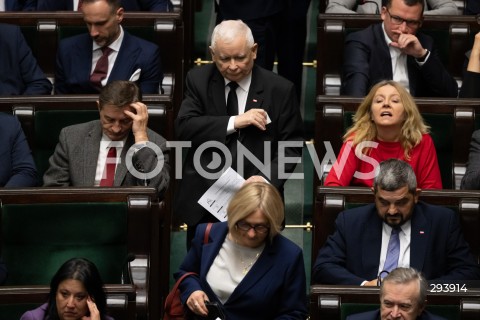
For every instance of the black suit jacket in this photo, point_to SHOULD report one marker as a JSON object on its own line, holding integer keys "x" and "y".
{"x": 367, "y": 61}
{"x": 203, "y": 117}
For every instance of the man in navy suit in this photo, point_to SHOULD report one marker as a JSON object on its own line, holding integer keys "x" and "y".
{"x": 128, "y": 5}
{"x": 19, "y": 5}
{"x": 403, "y": 295}
{"x": 17, "y": 168}
{"x": 430, "y": 237}
{"x": 472, "y": 7}
{"x": 268, "y": 115}
{"x": 131, "y": 58}
{"x": 20, "y": 73}
{"x": 394, "y": 50}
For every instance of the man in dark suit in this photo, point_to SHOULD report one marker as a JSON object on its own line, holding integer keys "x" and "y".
{"x": 429, "y": 238}
{"x": 19, "y": 5}
{"x": 20, "y": 73}
{"x": 403, "y": 295}
{"x": 268, "y": 115}
{"x": 471, "y": 74}
{"x": 394, "y": 50}
{"x": 17, "y": 168}
{"x": 128, "y": 5}
{"x": 81, "y": 157}
{"x": 129, "y": 57}
{"x": 472, "y": 7}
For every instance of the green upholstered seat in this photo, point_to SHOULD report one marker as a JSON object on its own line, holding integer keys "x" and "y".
{"x": 48, "y": 125}
{"x": 38, "y": 238}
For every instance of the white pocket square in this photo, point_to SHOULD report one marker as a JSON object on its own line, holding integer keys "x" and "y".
{"x": 136, "y": 75}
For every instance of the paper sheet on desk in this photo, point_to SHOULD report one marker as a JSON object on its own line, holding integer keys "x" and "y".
{"x": 217, "y": 197}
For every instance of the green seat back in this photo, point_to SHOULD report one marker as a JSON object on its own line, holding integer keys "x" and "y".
{"x": 442, "y": 132}
{"x": 38, "y": 238}
{"x": 48, "y": 124}
{"x": 15, "y": 311}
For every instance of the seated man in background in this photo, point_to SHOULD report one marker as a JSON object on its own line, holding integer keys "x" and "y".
{"x": 20, "y": 73}
{"x": 471, "y": 75}
{"x": 117, "y": 150}
{"x": 87, "y": 62}
{"x": 472, "y": 7}
{"x": 17, "y": 5}
{"x": 393, "y": 50}
{"x": 397, "y": 230}
{"x": 17, "y": 168}
{"x": 128, "y": 5}
{"x": 432, "y": 7}
{"x": 403, "y": 295}
{"x": 471, "y": 179}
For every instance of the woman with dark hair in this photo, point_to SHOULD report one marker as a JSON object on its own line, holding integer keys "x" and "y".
{"x": 76, "y": 292}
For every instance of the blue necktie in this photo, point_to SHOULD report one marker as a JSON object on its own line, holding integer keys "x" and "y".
{"x": 393, "y": 251}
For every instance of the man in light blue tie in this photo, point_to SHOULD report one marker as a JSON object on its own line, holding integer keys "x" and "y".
{"x": 397, "y": 231}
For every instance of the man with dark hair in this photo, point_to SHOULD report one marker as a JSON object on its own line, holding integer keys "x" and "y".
{"x": 117, "y": 150}
{"x": 87, "y": 62}
{"x": 403, "y": 295}
{"x": 128, "y": 5}
{"x": 394, "y": 50}
{"x": 398, "y": 230}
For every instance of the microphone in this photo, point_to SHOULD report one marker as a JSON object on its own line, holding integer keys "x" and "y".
{"x": 361, "y": 2}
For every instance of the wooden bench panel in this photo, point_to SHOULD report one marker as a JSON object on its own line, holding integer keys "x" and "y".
{"x": 452, "y": 35}
{"x": 145, "y": 233}
{"x": 333, "y": 116}
{"x": 326, "y": 301}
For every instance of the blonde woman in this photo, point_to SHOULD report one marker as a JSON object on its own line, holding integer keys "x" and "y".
{"x": 247, "y": 268}
{"x": 386, "y": 125}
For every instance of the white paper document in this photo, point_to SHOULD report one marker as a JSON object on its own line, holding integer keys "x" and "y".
{"x": 217, "y": 197}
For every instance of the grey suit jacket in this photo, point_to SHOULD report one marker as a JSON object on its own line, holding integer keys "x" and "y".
{"x": 432, "y": 7}
{"x": 74, "y": 161}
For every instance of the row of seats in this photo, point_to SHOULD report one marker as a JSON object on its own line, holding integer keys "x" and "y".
{"x": 336, "y": 302}
{"x": 453, "y": 38}
{"x": 322, "y": 5}
{"x": 44, "y": 30}
{"x": 329, "y": 302}
{"x": 124, "y": 231}
{"x": 452, "y": 123}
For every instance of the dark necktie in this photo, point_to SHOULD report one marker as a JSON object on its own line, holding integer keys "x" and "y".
{"x": 232, "y": 100}
{"x": 79, "y": 5}
{"x": 109, "y": 170}
{"x": 393, "y": 251}
{"x": 101, "y": 68}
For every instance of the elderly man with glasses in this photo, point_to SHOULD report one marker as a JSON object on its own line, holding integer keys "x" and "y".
{"x": 394, "y": 50}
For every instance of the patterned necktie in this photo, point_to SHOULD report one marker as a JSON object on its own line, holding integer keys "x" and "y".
{"x": 393, "y": 251}
{"x": 232, "y": 100}
{"x": 109, "y": 170}
{"x": 101, "y": 68}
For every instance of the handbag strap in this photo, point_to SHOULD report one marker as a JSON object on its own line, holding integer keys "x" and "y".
{"x": 170, "y": 297}
{"x": 207, "y": 232}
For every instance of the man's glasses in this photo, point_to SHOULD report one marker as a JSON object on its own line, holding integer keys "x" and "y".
{"x": 245, "y": 226}
{"x": 414, "y": 24}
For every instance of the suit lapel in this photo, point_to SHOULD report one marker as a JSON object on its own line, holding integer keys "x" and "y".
{"x": 385, "y": 63}
{"x": 126, "y": 57}
{"x": 256, "y": 91}
{"x": 90, "y": 157}
{"x": 372, "y": 244}
{"x": 121, "y": 171}
{"x": 217, "y": 93}
{"x": 418, "y": 239}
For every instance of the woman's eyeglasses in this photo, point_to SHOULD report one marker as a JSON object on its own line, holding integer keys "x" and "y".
{"x": 245, "y": 226}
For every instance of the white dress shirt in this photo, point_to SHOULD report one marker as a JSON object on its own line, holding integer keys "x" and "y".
{"x": 105, "y": 144}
